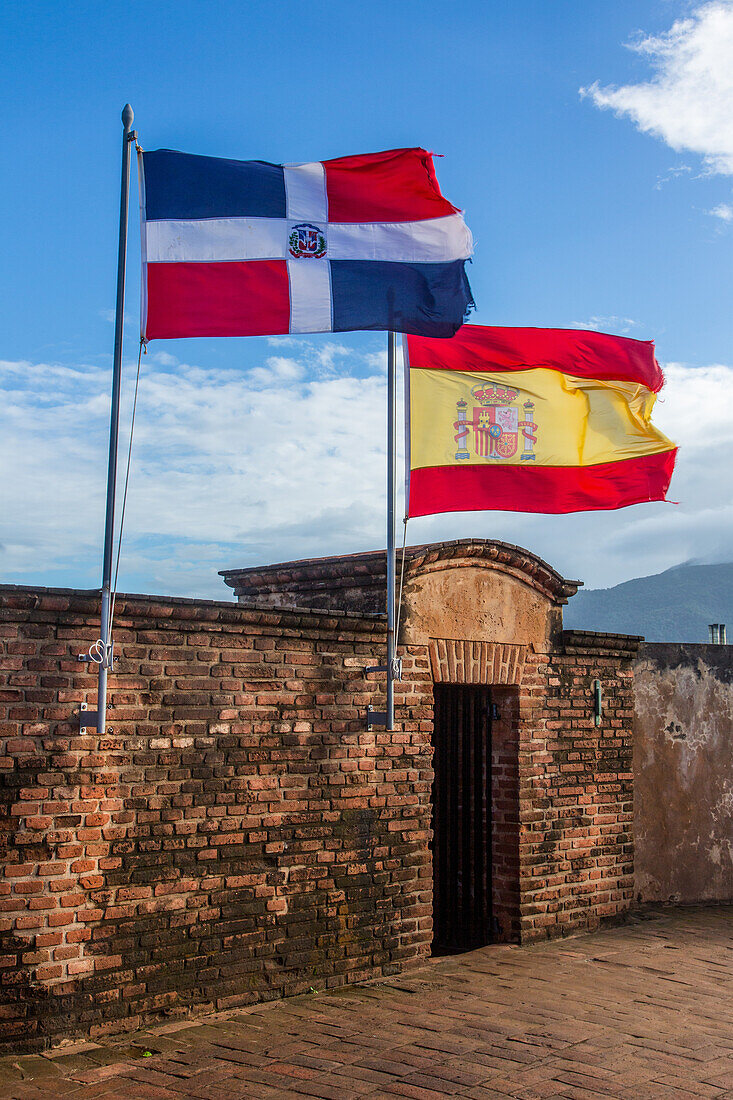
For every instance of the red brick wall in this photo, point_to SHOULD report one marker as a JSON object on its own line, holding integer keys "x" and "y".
{"x": 238, "y": 835}
{"x": 576, "y": 847}
{"x": 505, "y": 813}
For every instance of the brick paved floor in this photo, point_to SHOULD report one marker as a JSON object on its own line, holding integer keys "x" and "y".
{"x": 640, "y": 1011}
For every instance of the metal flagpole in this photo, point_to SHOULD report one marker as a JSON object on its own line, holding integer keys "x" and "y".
{"x": 393, "y": 667}
{"x": 392, "y": 673}
{"x": 104, "y": 646}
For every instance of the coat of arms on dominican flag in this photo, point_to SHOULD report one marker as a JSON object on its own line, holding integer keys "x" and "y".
{"x": 248, "y": 248}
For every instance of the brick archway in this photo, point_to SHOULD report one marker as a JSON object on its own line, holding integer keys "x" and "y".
{"x": 453, "y": 661}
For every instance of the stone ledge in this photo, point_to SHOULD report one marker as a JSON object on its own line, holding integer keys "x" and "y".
{"x": 85, "y": 602}
{"x": 598, "y": 642}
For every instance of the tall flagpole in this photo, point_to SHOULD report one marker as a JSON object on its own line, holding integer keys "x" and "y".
{"x": 391, "y": 555}
{"x": 105, "y": 647}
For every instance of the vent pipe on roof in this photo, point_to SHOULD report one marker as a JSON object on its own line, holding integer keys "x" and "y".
{"x": 713, "y": 628}
{"x": 721, "y": 634}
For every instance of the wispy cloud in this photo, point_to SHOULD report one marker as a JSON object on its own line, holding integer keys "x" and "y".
{"x": 674, "y": 173}
{"x": 723, "y": 211}
{"x": 109, "y": 315}
{"x": 688, "y": 102}
{"x": 610, "y": 323}
{"x": 164, "y": 358}
{"x": 284, "y": 341}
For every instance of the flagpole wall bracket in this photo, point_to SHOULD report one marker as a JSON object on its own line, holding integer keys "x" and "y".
{"x": 379, "y": 717}
{"x": 90, "y": 718}
{"x": 375, "y": 718}
{"x": 396, "y": 668}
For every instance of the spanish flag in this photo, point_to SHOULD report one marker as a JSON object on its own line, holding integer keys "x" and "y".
{"x": 533, "y": 420}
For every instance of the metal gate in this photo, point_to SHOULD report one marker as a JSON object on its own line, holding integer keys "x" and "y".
{"x": 462, "y": 817}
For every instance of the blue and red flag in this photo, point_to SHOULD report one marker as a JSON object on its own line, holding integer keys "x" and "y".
{"x": 248, "y": 248}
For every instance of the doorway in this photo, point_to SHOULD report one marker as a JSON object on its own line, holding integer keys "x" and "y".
{"x": 462, "y": 911}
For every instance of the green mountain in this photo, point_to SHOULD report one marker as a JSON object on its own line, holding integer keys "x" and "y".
{"x": 674, "y": 606}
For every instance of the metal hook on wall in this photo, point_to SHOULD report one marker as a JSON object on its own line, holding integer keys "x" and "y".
{"x": 597, "y": 701}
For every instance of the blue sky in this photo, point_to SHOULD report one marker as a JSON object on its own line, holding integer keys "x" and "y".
{"x": 608, "y": 208}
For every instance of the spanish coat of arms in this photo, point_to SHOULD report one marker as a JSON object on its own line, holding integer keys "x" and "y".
{"x": 493, "y": 426}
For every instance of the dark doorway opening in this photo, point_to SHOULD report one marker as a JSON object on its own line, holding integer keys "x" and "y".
{"x": 462, "y": 912}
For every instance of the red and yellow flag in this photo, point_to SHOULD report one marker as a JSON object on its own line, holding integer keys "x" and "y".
{"x": 533, "y": 420}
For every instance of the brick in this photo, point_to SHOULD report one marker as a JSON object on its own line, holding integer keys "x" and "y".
{"x": 240, "y": 814}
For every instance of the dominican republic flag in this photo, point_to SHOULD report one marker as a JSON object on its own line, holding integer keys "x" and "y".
{"x": 247, "y": 248}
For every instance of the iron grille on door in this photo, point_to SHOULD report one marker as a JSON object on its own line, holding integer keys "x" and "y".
{"x": 462, "y": 817}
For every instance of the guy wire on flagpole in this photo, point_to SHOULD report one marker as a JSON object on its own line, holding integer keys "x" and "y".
{"x": 402, "y": 578}
{"x": 104, "y": 646}
{"x": 144, "y": 349}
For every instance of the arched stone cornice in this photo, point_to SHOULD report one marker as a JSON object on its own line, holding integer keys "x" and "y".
{"x": 355, "y": 582}
{"x": 503, "y": 557}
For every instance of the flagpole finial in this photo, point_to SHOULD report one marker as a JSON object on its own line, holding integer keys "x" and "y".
{"x": 127, "y": 116}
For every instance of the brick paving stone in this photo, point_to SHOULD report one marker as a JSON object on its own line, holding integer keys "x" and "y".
{"x": 639, "y": 1012}
{"x": 415, "y": 1092}
{"x": 723, "y": 1080}
{"x": 240, "y": 1057}
{"x": 580, "y": 1092}
{"x": 33, "y": 1066}
{"x": 393, "y": 1063}
{"x": 241, "y": 1086}
{"x": 318, "y": 1062}
{"x": 487, "y": 1092}
{"x": 695, "y": 1088}
{"x": 322, "y": 1090}
{"x": 455, "y": 1074}
{"x": 377, "y": 1079}
{"x": 434, "y": 1082}
{"x": 150, "y": 1076}
{"x": 95, "y": 1074}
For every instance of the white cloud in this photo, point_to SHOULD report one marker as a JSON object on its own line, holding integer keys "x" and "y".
{"x": 608, "y": 324}
{"x": 164, "y": 358}
{"x": 277, "y": 366}
{"x": 723, "y": 211}
{"x": 235, "y": 468}
{"x": 284, "y": 341}
{"x": 228, "y": 468}
{"x": 688, "y": 102}
{"x": 672, "y": 174}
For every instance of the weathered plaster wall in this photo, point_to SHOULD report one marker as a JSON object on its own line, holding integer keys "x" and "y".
{"x": 683, "y": 765}
{"x": 477, "y": 602}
